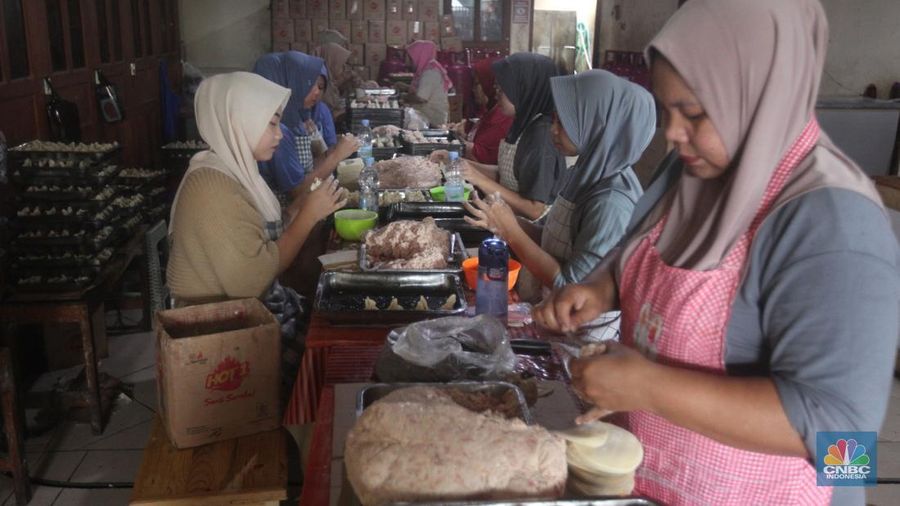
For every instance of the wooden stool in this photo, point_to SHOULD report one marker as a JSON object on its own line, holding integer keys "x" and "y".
{"x": 14, "y": 461}
{"x": 246, "y": 470}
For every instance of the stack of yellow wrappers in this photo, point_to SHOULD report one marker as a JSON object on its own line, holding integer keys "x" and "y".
{"x": 602, "y": 459}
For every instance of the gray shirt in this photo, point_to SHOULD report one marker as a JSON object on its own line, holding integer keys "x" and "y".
{"x": 817, "y": 312}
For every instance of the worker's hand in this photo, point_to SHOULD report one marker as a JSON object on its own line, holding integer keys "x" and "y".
{"x": 324, "y": 200}
{"x": 568, "y": 308}
{"x": 492, "y": 214}
{"x": 459, "y": 129}
{"x": 613, "y": 379}
{"x": 346, "y": 146}
{"x": 469, "y": 146}
{"x": 440, "y": 156}
{"x": 470, "y": 173}
{"x": 311, "y": 127}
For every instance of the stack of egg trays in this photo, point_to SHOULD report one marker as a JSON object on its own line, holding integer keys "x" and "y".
{"x": 64, "y": 205}
{"x": 151, "y": 184}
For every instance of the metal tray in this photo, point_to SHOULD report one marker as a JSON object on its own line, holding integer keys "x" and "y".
{"x": 610, "y": 501}
{"x": 420, "y": 210}
{"x": 469, "y": 233}
{"x": 456, "y": 255}
{"x": 496, "y": 389}
{"x": 340, "y": 296}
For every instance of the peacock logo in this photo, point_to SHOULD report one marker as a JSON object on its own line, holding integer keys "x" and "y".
{"x": 846, "y": 452}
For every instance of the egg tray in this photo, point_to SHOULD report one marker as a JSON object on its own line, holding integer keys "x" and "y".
{"x": 90, "y": 241}
{"x": 87, "y": 219}
{"x": 75, "y": 192}
{"x": 64, "y": 151}
{"x": 63, "y": 257}
{"x": 76, "y": 200}
{"x": 341, "y": 296}
{"x": 98, "y": 176}
{"x": 47, "y": 287}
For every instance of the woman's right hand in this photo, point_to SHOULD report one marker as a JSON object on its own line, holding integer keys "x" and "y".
{"x": 568, "y": 308}
{"x": 324, "y": 200}
{"x": 346, "y": 146}
{"x": 440, "y": 156}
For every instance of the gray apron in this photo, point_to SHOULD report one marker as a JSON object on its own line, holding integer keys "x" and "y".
{"x": 506, "y": 158}
{"x": 290, "y": 309}
{"x": 557, "y": 239}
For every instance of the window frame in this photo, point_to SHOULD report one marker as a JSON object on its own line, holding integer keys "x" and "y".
{"x": 503, "y": 43}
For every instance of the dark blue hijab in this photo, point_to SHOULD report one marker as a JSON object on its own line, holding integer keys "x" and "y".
{"x": 296, "y": 71}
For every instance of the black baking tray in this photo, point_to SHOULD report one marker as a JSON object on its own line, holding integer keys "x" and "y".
{"x": 87, "y": 217}
{"x": 58, "y": 259}
{"x": 340, "y": 296}
{"x": 98, "y": 176}
{"x": 384, "y": 153}
{"x": 469, "y": 233}
{"x": 66, "y": 152}
{"x": 420, "y": 210}
{"x": 53, "y": 287}
{"x": 93, "y": 240}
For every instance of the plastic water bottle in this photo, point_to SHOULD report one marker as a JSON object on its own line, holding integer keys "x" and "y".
{"x": 364, "y": 137}
{"x": 454, "y": 191}
{"x": 491, "y": 296}
{"x": 368, "y": 184}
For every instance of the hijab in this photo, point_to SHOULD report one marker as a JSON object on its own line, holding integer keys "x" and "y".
{"x": 298, "y": 72}
{"x": 525, "y": 80}
{"x": 755, "y": 67}
{"x": 233, "y": 111}
{"x": 423, "y": 54}
{"x": 610, "y": 120}
{"x": 332, "y": 36}
{"x": 485, "y": 75}
{"x": 335, "y": 58}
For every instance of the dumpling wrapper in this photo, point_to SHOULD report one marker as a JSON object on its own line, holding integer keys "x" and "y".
{"x": 422, "y": 305}
{"x": 370, "y": 304}
{"x": 622, "y": 453}
{"x": 592, "y": 434}
{"x": 450, "y": 303}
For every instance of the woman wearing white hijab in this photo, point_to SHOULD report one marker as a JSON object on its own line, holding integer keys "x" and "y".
{"x": 226, "y": 235}
{"x": 759, "y": 296}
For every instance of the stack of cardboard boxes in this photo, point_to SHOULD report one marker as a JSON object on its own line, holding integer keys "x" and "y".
{"x": 370, "y": 26}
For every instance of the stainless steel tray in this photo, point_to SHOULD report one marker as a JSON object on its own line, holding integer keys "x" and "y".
{"x": 496, "y": 389}
{"x": 612, "y": 501}
{"x": 455, "y": 257}
{"x": 340, "y": 296}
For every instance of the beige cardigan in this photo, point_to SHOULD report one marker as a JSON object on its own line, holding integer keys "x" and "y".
{"x": 218, "y": 245}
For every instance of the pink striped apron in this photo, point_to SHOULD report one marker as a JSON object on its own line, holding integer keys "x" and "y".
{"x": 680, "y": 317}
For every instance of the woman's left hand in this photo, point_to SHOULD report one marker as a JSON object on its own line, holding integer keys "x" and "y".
{"x": 614, "y": 378}
{"x": 492, "y": 214}
{"x": 470, "y": 173}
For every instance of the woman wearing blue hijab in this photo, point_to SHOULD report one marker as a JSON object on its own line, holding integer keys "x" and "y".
{"x": 304, "y": 118}
{"x": 607, "y": 122}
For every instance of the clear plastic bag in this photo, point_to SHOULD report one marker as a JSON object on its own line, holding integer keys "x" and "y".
{"x": 447, "y": 349}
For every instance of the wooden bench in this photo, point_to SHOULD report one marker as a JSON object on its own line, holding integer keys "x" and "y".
{"x": 250, "y": 470}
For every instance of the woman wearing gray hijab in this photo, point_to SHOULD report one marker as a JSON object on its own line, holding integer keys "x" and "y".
{"x": 759, "y": 296}
{"x": 607, "y": 122}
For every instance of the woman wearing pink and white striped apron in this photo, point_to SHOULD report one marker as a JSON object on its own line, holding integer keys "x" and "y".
{"x": 743, "y": 335}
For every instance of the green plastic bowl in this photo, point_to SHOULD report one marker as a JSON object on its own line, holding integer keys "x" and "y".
{"x": 351, "y": 224}
{"x": 438, "y": 195}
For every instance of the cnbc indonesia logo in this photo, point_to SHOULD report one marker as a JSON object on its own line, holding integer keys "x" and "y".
{"x": 846, "y": 460}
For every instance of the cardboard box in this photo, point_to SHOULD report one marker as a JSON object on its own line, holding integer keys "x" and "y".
{"x": 218, "y": 371}
{"x": 280, "y": 47}
{"x": 303, "y": 30}
{"x": 298, "y": 9}
{"x": 317, "y": 9}
{"x": 357, "y": 56}
{"x": 393, "y": 10}
{"x": 355, "y": 10}
{"x": 283, "y": 30}
{"x": 375, "y": 54}
{"x": 395, "y": 33}
{"x": 303, "y": 47}
{"x": 451, "y": 44}
{"x": 280, "y": 9}
{"x": 374, "y": 10}
{"x": 376, "y": 32}
{"x": 415, "y": 30}
{"x": 410, "y": 10}
{"x": 429, "y": 10}
{"x": 448, "y": 29}
{"x": 359, "y": 32}
{"x": 432, "y": 31}
{"x": 341, "y": 25}
{"x": 337, "y": 9}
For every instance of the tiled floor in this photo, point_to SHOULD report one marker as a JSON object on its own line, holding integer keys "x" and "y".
{"x": 72, "y": 453}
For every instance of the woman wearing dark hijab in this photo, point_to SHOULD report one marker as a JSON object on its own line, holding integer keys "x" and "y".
{"x": 528, "y": 165}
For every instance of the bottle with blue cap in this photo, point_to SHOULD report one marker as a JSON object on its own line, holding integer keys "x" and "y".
{"x": 364, "y": 137}
{"x": 491, "y": 296}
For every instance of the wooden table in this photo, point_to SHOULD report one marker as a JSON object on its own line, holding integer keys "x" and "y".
{"x": 82, "y": 307}
{"x": 246, "y": 470}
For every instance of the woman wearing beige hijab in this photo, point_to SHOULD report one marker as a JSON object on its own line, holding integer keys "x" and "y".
{"x": 340, "y": 79}
{"x": 759, "y": 296}
{"x": 227, "y": 238}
